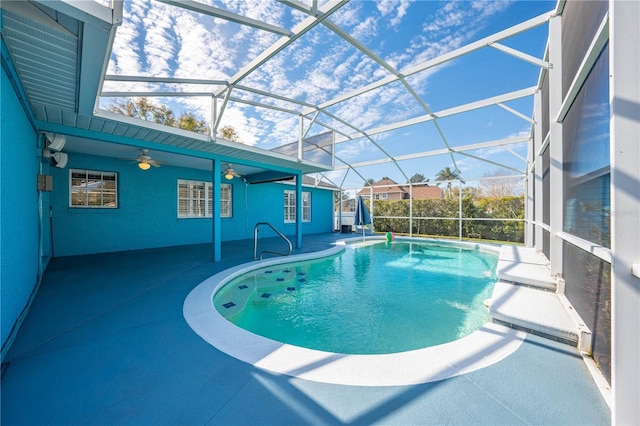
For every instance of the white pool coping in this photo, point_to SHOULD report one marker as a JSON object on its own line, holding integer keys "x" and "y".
{"x": 490, "y": 344}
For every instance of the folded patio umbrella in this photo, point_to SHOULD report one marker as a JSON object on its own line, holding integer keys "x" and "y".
{"x": 362, "y": 216}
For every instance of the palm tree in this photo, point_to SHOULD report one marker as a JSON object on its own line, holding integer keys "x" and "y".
{"x": 448, "y": 175}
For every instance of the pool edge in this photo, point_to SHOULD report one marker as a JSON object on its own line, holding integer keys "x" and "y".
{"x": 486, "y": 346}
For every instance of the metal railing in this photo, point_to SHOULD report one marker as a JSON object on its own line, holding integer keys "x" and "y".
{"x": 255, "y": 241}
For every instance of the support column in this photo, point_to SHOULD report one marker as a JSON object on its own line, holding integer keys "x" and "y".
{"x": 624, "y": 92}
{"x": 538, "y": 203}
{"x": 300, "y": 134}
{"x": 460, "y": 210}
{"x": 556, "y": 199}
{"x": 410, "y": 209}
{"x": 371, "y": 205}
{"x": 216, "y": 228}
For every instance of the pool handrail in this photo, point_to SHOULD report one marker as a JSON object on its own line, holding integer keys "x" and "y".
{"x": 255, "y": 242}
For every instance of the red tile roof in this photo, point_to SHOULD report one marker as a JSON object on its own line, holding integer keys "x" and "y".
{"x": 424, "y": 192}
{"x": 420, "y": 192}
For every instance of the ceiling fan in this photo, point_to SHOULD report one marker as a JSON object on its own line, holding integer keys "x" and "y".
{"x": 229, "y": 173}
{"x": 145, "y": 161}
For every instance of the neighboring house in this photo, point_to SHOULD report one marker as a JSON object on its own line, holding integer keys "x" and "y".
{"x": 387, "y": 189}
{"x": 424, "y": 192}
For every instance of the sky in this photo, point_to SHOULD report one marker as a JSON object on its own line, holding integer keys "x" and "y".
{"x": 162, "y": 40}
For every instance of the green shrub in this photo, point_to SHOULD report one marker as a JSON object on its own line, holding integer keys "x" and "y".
{"x": 393, "y": 216}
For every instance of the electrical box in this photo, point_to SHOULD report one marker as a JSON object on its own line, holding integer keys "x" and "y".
{"x": 45, "y": 183}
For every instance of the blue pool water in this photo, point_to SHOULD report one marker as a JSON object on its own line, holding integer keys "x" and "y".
{"x": 374, "y": 298}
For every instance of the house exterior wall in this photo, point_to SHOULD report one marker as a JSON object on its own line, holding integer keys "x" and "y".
{"x": 147, "y": 217}
{"x": 19, "y": 230}
{"x": 394, "y": 196}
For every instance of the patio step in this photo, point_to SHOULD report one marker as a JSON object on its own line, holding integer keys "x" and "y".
{"x": 538, "y": 312}
{"x": 526, "y": 298}
{"x": 524, "y": 265}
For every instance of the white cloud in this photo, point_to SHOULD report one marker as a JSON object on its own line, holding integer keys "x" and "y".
{"x": 357, "y": 150}
{"x": 396, "y": 8}
{"x": 458, "y": 15}
{"x": 201, "y": 52}
{"x": 348, "y": 15}
{"x": 126, "y": 53}
{"x": 366, "y": 29}
{"x": 160, "y": 42}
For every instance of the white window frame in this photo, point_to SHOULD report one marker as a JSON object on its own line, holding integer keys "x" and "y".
{"x": 381, "y": 196}
{"x": 226, "y": 200}
{"x": 100, "y": 190}
{"x": 193, "y": 212}
{"x": 289, "y": 206}
{"x": 306, "y": 206}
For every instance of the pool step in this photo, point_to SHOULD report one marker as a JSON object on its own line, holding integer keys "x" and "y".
{"x": 264, "y": 297}
{"x": 524, "y": 265}
{"x": 275, "y": 280}
{"x": 527, "y": 298}
{"x": 234, "y": 300}
{"x": 539, "y": 312}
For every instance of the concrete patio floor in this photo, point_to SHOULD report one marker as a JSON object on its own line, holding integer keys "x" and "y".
{"x": 105, "y": 342}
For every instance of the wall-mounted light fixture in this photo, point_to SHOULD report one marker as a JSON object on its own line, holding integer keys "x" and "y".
{"x": 53, "y": 145}
{"x": 59, "y": 159}
{"x": 55, "y": 141}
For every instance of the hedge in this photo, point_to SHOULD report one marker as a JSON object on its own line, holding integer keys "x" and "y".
{"x": 499, "y": 208}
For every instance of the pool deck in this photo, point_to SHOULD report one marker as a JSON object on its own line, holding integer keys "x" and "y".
{"x": 106, "y": 342}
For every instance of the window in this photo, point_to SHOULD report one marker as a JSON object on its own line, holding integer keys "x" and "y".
{"x": 290, "y": 206}
{"x": 381, "y": 196}
{"x": 306, "y": 207}
{"x": 195, "y": 199}
{"x": 91, "y": 189}
{"x": 226, "y": 201}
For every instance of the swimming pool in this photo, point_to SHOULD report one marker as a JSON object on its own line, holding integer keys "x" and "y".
{"x": 486, "y": 346}
{"x": 375, "y": 297}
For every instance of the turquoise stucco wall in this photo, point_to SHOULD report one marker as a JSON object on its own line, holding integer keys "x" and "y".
{"x": 146, "y": 216}
{"x": 19, "y": 230}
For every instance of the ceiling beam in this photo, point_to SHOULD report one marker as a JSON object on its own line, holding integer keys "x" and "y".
{"x": 520, "y": 55}
{"x": 228, "y": 16}
{"x": 272, "y": 95}
{"x": 516, "y": 113}
{"x": 169, "y": 80}
{"x": 147, "y": 94}
{"x": 504, "y": 166}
